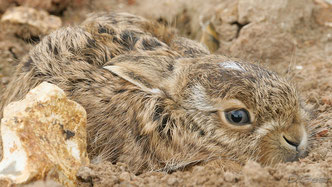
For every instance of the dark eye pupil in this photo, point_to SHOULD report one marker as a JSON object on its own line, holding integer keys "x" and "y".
{"x": 237, "y": 116}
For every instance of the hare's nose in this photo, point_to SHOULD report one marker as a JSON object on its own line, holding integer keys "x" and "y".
{"x": 294, "y": 136}
{"x": 292, "y": 141}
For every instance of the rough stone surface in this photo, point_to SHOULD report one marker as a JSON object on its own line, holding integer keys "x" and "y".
{"x": 227, "y": 11}
{"x": 323, "y": 14}
{"x": 28, "y": 22}
{"x": 227, "y": 31}
{"x": 43, "y": 135}
{"x": 261, "y": 10}
{"x": 38, "y": 4}
{"x": 4, "y": 4}
{"x": 263, "y": 41}
{"x": 53, "y": 6}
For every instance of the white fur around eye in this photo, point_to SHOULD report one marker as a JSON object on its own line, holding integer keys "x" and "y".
{"x": 265, "y": 129}
{"x": 200, "y": 100}
{"x": 231, "y": 65}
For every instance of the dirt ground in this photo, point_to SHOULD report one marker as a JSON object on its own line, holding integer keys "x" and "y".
{"x": 291, "y": 37}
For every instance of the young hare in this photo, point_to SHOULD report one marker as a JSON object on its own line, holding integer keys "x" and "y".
{"x": 157, "y": 101}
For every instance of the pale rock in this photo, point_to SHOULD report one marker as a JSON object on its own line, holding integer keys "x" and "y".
{"x": 44, "y": 136}
{"x": 4, "y": 4}
{"x": 38, "y": 4}
{"x": 53, "y": 6}
{"x": 28, "y": 22}
{"x": 323, "y": 15}
{"x": 263, "y": 41}
{"x": 250, "y": 11}
{"x": 227, "y": 32}
{"x": 227, "y": 11}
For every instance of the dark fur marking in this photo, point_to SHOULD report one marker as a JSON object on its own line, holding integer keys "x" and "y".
{"x": 34, "y": 39}
{"x": 158, "y": 111}
{"x": 136, "y": 131}
{"x": 105, "y": 101}
{"x": 114, "y": 22}
{"x": 135, "y": 91}
{"x": 139, "y": 79}
{"x": 115, "y": 39}
{"x": 111, "y": 55}
{"x": 55, "y": 50}
{"x": 146, "y": 144}
{"x": 161, "y": 128}
{"x": 194, "y": 127}
{"x": 49, "y": 44}
{"x": 12, "y": 52}
{"x": 182, "y": 121}
{"x": 171, "y": 125}
{"x": 76, "y": 81}
{"x": 91, "y": 43}
{"x": 189, "y": 52}
{"x": 102, "y": 30}
{"x": 128, "y": 39}
{"x": 38, "y": 75}
{"x": 169, "y": 135}
{"x": 193, "y": 52}
{"x": 165, "y": 124}
{"x": 202, "y": 132}
{"x": 224, "y": 93}
{"x": 89, "y": 58}
{"x": 69, "y": 134}
{"x": 143, "y": 140}
{"x": 170, "y": 67}
{"x": 120, "y": 91}
{"x": 52, "y": 48}
{"x": 165, "y": 119}
{"x": 138, "y": 138}
{"x": 150, "y": 44}
{"x": 27, "y": 65}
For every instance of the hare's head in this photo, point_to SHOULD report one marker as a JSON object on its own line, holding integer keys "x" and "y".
{"x": 247, "y": 111}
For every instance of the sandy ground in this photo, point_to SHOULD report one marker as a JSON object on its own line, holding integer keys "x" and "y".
{"x": 295, "y": 41}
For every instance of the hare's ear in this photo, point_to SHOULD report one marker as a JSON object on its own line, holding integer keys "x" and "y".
{"x": 146, "y": 72}
{"x": 133, "y": 77}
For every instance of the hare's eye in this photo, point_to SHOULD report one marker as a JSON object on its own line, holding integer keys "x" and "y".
{"x": 238, "y": 117}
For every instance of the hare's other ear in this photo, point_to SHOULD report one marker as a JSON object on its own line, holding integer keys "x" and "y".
{"x": 147, "y": 72}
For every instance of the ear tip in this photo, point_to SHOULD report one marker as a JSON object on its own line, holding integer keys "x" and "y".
{"x": 108, "y": 67}
{"x": 156, "y": 91}
{"x": 114, "y": 69}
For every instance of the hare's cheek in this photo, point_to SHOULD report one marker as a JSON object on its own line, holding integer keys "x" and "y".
{"x": 270, "y": 151}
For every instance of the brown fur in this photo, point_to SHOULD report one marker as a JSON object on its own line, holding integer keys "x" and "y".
{"x": 156, "y": 101}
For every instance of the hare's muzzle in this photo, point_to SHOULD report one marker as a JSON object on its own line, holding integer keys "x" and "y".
{"x": 294, "y": 142}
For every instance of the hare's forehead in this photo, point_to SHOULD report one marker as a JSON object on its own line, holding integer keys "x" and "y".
{"x": 232, "y": 65}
